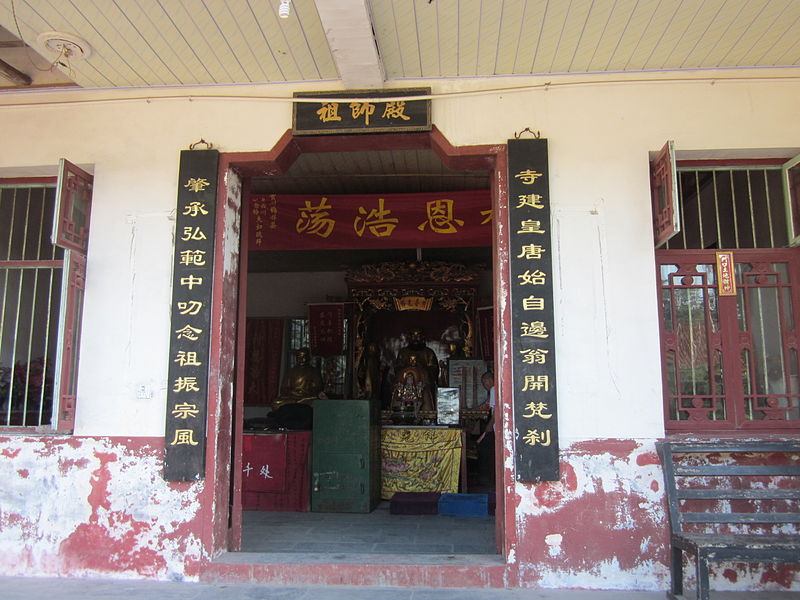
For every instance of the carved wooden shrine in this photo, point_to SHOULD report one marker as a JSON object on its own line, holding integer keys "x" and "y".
{"x": 447, "y": 292}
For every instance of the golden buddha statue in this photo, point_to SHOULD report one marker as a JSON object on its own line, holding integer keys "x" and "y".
{"x": 302, "y": 383}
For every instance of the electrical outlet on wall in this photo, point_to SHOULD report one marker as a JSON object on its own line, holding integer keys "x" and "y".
{"x": 143, "y": 392}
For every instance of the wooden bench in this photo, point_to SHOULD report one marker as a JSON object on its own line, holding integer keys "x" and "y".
{"x": 733, "y": 502}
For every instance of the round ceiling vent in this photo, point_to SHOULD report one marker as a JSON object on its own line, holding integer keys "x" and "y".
{"x": 65, "y": 45}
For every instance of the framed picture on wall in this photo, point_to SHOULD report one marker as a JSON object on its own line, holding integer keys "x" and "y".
{"x": 447, "y": 406}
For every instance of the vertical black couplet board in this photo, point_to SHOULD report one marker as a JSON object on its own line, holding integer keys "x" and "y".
{"x": 190, "y": 335}
{"x": 532, "y": 319}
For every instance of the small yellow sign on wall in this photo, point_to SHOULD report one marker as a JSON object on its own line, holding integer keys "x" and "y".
{"x": 726, "y": 278}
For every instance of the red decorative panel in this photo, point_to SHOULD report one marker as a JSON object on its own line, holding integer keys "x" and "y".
{"x": 730, "y": 362}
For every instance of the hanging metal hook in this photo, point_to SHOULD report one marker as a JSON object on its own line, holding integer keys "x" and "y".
{"x": 209, "y": 146}
{"x": 535, "y": 134}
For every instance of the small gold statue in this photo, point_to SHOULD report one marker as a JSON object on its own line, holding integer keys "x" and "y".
{"x": 411, "y": 391}
{"x": 302, "y": 382}
{"x": 425, "y": 359}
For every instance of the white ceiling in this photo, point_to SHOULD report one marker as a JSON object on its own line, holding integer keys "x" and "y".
{"x": 142, "y": 43}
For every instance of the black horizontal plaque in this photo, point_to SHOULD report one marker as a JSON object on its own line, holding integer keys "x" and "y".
{"x": 362, "y": 111}
{"x": 532, "y": 318}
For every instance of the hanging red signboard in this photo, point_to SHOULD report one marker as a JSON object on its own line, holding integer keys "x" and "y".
{"x": 326, "y": 329}
{"x": 427, "y": 220}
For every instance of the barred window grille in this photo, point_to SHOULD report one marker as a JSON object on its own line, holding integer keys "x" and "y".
{"x": 31, "y": 273}
{"x": 730, "y": 362}
{"x": 730, "y": 207}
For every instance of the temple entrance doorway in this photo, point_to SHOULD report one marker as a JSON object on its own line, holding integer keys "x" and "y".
{"x": 346, "y": 340}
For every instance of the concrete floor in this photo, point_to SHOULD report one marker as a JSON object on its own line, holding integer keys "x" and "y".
{"x": 22, "y": 588}
{"x": 378, "y": 532}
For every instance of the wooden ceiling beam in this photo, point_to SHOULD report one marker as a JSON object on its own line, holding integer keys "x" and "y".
{"x": 348, "y": 27}
{"x": 10, "y": 73}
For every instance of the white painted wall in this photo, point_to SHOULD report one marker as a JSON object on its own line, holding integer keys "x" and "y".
{"x": 286, "y": 294}
{"x": 600, "y": 136}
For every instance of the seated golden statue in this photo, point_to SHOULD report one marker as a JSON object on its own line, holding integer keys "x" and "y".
{"x": 411, "y": 392}
{"x": 302, "y": 382}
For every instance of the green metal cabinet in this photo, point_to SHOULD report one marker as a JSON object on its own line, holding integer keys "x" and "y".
{"x": 345, "y": 474}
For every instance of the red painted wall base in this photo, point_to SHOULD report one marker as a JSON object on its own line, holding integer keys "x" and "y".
{"x": 393, "y": 575}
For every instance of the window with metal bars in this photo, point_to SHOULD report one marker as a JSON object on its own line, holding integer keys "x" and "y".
{"x": 730, "y": 207}
{"x": 333, "y": 368}
{"x": 729, "y": 356}
{"x": 31, "y": 275}
{"x": 44, "y": 230}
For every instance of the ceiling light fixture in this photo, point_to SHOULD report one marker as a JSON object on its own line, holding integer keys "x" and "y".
{"x": 65, "y": 45}
{"x": 285, "y": 9}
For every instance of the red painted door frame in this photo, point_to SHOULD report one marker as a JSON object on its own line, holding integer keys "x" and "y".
{"x": 275, "y": 162}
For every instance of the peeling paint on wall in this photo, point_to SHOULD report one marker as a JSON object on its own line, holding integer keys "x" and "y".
{"x": 79, "y": 506}
{"x": 602, "y": 512}
{"x": 605, "y": 526}
{"x": 83, "y": 506}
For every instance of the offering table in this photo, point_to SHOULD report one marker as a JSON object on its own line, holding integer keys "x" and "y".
{"x": 422, "y": 459}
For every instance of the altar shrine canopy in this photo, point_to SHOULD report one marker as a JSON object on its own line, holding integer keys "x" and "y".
{"x": 423, "y": 220}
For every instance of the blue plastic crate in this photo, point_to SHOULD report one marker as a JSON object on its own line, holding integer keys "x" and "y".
{"x": 464, "y": 505}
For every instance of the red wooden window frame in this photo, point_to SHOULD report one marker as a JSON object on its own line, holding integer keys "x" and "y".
{"x": 664, "y": 195}
{"x": 725, "y": 343}
{"x": 791, "y": 189}
{"x": 73, "y": 207}
{"x": 72, "y": 310}
{"x": 71, "y": 231}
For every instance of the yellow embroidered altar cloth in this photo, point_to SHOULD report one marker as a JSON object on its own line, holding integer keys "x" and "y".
{"x": 420, "y": 459}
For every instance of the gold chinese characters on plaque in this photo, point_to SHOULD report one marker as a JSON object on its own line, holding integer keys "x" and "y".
{"x": 726, "y": 277}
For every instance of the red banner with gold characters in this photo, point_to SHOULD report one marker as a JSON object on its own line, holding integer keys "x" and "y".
{"x": 426, "y": 220}
{"x": 326, "y": 329}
